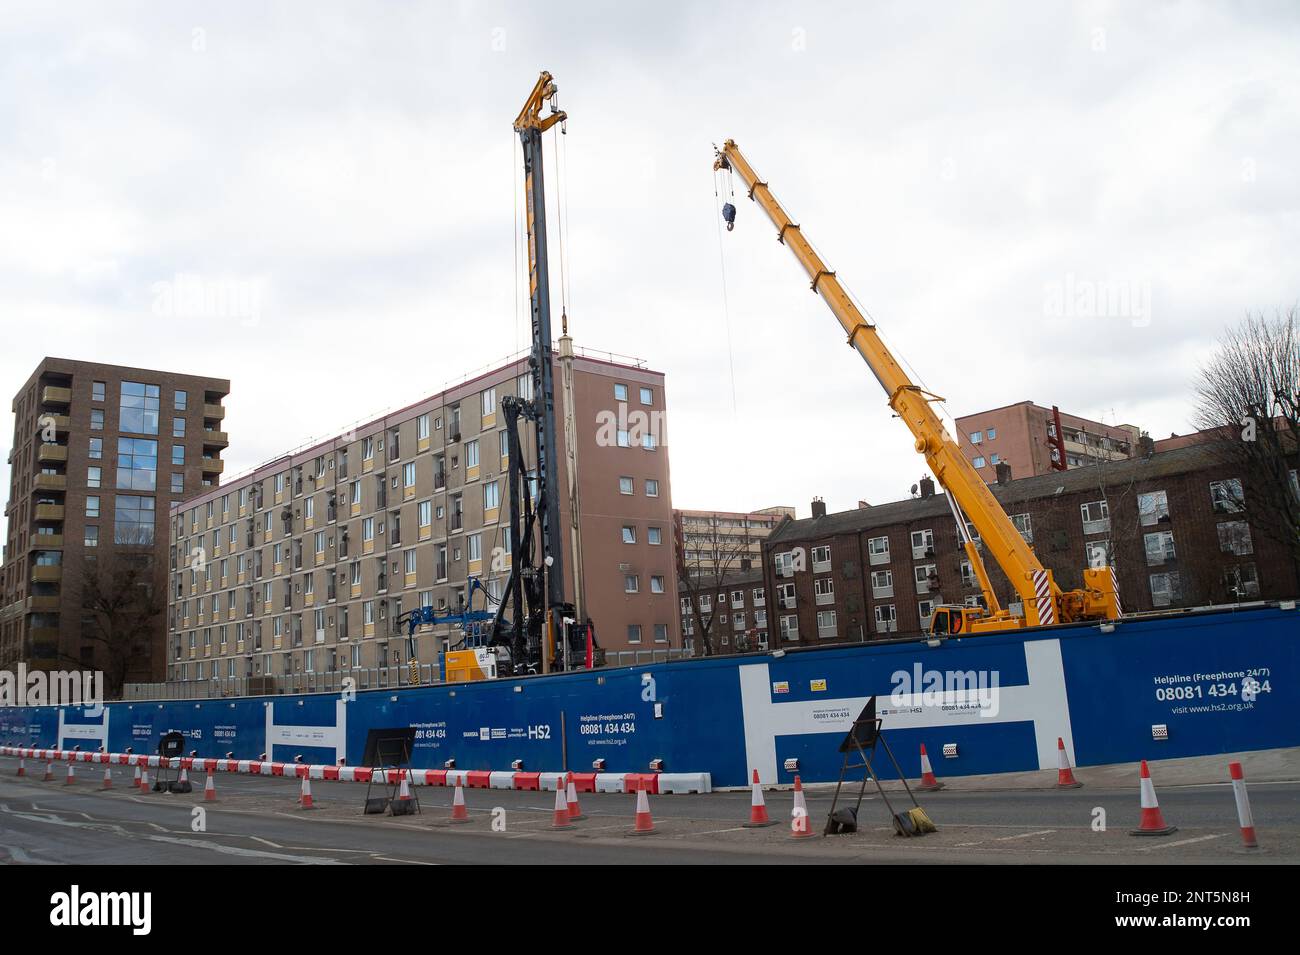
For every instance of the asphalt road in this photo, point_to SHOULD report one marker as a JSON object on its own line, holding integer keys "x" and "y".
{"x": 255, "y": 821}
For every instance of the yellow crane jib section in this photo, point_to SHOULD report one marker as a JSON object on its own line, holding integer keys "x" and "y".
{"x": 945, "y": 459}
{"x": 530, "y": 117}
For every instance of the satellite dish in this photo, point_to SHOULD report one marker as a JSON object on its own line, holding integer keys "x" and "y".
{"x": 914, "y": 490}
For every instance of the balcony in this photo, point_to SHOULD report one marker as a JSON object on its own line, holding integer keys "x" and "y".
{"x": 49, "y": 512}
{"x": 61, "y": 423}
{"x": 47, "y": 541}
{"x": 43, "y": 604}
{"x": 214, "y": 412}
{"x": 52, "y": 454}
{"x": 213, "y": 465}
{"x": 54, "y": 395}
{"x": 47, "y": 574}
{"x": 219, "y": 439}
{"x": 51, "y": 482}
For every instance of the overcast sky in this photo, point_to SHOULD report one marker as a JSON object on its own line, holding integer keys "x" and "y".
{"x": 972, "y": 172}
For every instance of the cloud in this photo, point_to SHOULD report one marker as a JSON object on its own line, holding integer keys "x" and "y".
{"x": 953, "y": 164}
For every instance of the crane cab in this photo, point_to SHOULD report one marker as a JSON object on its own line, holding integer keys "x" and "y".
{"x": 958, "y": 620}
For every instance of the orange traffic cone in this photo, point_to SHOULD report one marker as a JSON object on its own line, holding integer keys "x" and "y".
{"x": 144, "y": 780}
{"x": 1153, "y": 821}
{"x": 459, "y": 812}
{"x": 135, "y": 780}
{"x": 929, "y": 782}
{"x": 22, "y": 766}
{"x": 210, "y": 790}
{"x": 1064, "y": 774}
{"x": 304, "y": 799}
{"x": 799, "y": 816}
{"x": 561, "y": 818}
{"x": 404, "y": 791}
{"x": 644, "y": 824}
{"x": 108, "y": 778}
{"x": 71, "y": 777}
{"x": 757, "y": 808}
{"x": 571, "y": 796}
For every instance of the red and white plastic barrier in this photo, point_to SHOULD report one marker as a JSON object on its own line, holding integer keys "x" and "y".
{"x": 653, "y": 783}
{"x": 1244, "y": 815}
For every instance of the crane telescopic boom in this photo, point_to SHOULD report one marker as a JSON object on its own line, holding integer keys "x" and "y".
{"x": 1043, "y": 601}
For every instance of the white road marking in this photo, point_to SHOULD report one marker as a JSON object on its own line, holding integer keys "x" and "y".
{"x": 1026, "y": 835}
{"x": 1181, "y": 842}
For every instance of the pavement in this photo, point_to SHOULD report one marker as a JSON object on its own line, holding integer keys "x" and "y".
{"x": 1017, "y": 818}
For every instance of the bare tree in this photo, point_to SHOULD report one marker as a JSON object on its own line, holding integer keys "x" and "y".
{"x": 1248, "y": 398}
{"x": 705, "y": 562}
{"x": 120, "y": 595}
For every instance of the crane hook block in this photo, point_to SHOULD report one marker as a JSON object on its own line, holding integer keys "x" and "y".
{"x": 729, "y": 215}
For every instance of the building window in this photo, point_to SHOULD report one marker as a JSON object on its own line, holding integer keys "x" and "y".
{"x": 182, "y": 401}
{"x": 178, "y": 427}
{"x": 1159, "y": 547}
{"x": 92, "y": 536}
{"x": 631, "y": 584}
{"x": 826, "y": 624}
{"x": 654, "y": 535}
{"x": 978, "y": 462}
{"x": 651, "y": 487}
{"x": 648, "y": 441}
{"x": 133, "y": 520}
{"x": 629, "y": 534}
{"x": 178, "y": 455}
{"x": 489, "y": 401}
{"x": 661, "y": 633}
{"x": 993, "y": 433}
{"x": 821, "y": 558}
{"x": 882, "y": 583}
{"x": 93, "y": 476}
{"x": 96, "y": 391}
{"x": 1226, "y": 496}
{"x": 1165, "y": 590}
{"x": 922, "y": 544}
{"x": 995, "y": 459}
{"x": 1025, "y": 525}
{"x": 878, "y": 550}
{"x": 634, "y": 633}
{"x": 620, "y": 392}
{"x": 139, "y": 408}
{"x": 1098, "y": 554}
{"x": 422, "y": 426}
{"x": 626, "y": 486}
{"x": 976, "y": 437}
{"x": 886, "y": 618}
{"x": 1234, "y": 538}
{"x": 137, "y": 464}
{"x": 491, "y": 496}
{"x": 97, "y": 419}
{"x": 1153, "y": 508}
{"x": 647, "y": 396}
{"x": 1096, "y": 517}
{"x": 178, "y": 483}
{"x": 425, "y": 510}
{"x": 656, "y": 584}
{"x": 1241, "y": 581}
{"x": 96, "y": 448}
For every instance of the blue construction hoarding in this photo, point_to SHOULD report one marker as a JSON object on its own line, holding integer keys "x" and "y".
{"x": 1208, "y": 683}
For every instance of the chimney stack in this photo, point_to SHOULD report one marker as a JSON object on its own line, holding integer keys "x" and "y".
{"x": 1147, "y": 445}
{"x": 818, "y": 507}
{"x": 927, "y": 487}
{"x": 1004, "y": 473}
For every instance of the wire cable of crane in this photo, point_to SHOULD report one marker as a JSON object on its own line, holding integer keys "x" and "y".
{"x": 514, "y": 180}
{"x": 722, "y": 263}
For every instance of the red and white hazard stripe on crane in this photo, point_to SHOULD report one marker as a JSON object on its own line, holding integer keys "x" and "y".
{"x": 1043, "y": 597}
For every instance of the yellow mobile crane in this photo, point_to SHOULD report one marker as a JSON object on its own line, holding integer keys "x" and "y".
{"x": 1044, "y": 602}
